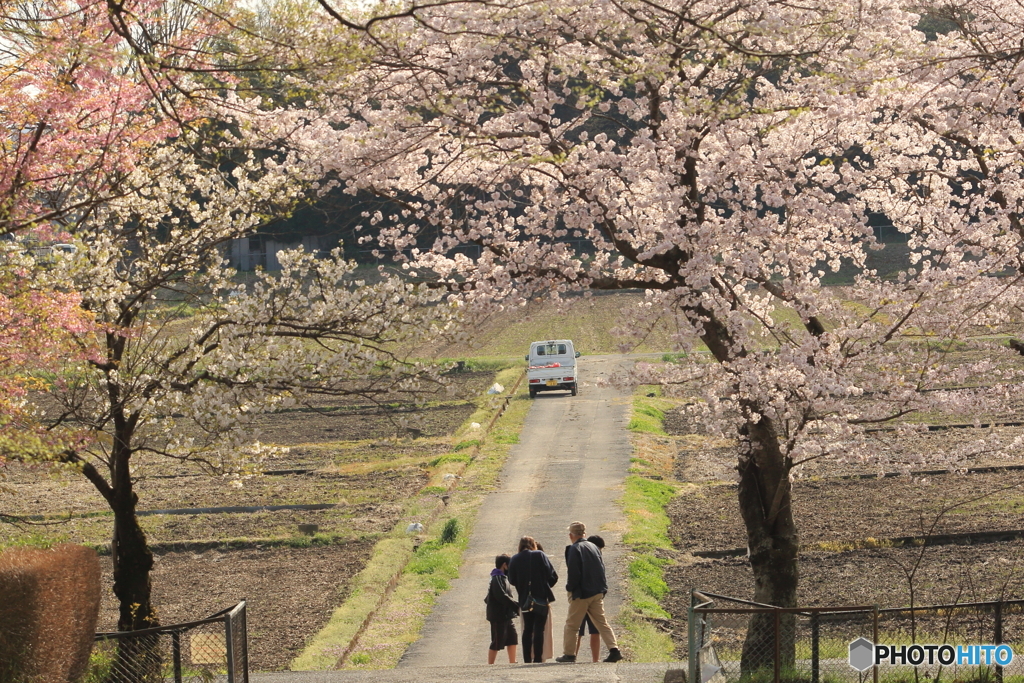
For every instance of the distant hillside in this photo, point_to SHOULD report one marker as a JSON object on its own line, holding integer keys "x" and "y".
{"x": 587, "y": 321}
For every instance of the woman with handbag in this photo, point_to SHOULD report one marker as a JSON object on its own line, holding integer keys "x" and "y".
{"x": 531, "y": 573}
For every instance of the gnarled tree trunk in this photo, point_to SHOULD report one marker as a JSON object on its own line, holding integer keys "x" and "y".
{"x": 765, "y": 497}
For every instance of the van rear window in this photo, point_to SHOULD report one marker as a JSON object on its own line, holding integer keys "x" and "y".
{"x": 550, "y": 350}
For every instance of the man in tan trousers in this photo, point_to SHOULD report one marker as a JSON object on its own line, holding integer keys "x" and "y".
{"x": 586, "y": 585}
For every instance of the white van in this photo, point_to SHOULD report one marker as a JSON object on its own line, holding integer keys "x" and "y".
{"x": 552, "y": 366}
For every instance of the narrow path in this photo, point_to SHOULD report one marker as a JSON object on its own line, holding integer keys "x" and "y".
{"x": 570, "y": 463}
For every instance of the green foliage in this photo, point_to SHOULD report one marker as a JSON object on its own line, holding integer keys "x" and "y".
{"x": 436, "y": 563}
{"x": 644, "y": 503}
{"x": 647, "y": 571}
{"x": 360, "y": 658}
{"x": 648, "y": 414}
{"x": 450, "y": 532}
{"x": 434, "y": 490}
{"x": 34, "y": 541}
{"x": 506, "y": 438}
{"x": 450, "y": 457}
{"x": 647, "y": 585}
{"x": 101, "y": 661}
{"x": 463, "y": 445}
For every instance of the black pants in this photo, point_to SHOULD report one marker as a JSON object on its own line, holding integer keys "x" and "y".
{"x": 534, "y": 622}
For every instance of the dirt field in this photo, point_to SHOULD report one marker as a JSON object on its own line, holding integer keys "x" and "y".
{"x": 837, "y": 510}
{"x": 346, "y": 456}
{"x": 290, "y": 592}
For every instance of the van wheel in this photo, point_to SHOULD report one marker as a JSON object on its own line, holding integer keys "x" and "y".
{"x": 573, "y": 389}
{"x": 533, "y": 393}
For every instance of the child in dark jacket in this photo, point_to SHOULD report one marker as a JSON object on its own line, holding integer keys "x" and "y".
{"x": 502, "y": 608}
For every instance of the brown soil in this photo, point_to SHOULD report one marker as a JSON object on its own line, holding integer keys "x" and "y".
{"x": 702, "y": 459}
{"x": 835, "y": 511}
{"x": 838, "y": 510}
{"x": 290, "y": 592}
{"x": 948, "y": 575}
{"x": 350, "y": 456}
{"x": 338, "y": 424}
{"x": 365, "y": 503}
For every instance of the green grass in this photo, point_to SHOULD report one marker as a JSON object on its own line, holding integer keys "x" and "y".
{"x": 450, "y": 457}
{"x": 649, "y": 411}
{"x": 34, "y": 541}
{"x": 587, "y": 322}
{"x": 643, "y": 502}
{"x": 437, "y": 563}
{"x": 647, "y": 585}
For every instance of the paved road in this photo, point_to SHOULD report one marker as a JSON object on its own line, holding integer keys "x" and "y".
{"x": 570, "y": 464}
{"x": 623, "y": 672}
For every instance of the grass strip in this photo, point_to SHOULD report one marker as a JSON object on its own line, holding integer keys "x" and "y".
{"x": 648, "y": 491}
{"x": 416, "y": 578}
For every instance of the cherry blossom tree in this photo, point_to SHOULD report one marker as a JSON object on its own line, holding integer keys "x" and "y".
{"x": 187, "y": 359}
{"x": 88, "y": 91}
{"x": 135, "y": 138}
{"x": 726, "y": 157}
{"x": 81, "y": 108}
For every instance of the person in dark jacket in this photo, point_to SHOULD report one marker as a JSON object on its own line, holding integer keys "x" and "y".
{"x": 531, "y": 573}
{"x": 502, "y": 608}
{"x": 586, "y": 586}
{"x": 595, "y": 635}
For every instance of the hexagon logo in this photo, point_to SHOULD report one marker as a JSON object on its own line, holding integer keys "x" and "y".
{"x": 862, "y": 654}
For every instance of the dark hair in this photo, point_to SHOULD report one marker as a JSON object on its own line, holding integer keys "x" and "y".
{"x": 527, "y": 543}
{"x": 500, "y": 561}
{"x": 597, "y": 540}
{"x": 540, "y": 547}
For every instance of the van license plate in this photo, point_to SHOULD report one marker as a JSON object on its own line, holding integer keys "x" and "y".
{"x": 552, "y": 383}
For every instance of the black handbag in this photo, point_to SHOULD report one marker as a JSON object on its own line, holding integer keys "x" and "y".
{"x": 531, "y": 601}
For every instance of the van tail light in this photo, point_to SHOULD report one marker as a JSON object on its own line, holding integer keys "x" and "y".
{"x": 534, "y": 381}
{"x": 567, "y": 379}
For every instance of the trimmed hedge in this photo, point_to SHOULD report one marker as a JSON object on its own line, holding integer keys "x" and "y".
{"x": 49, "y": 604}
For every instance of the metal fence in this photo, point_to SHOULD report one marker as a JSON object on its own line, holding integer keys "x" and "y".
{"x": 214, "y": 648}
{"x": 738, "y": 640}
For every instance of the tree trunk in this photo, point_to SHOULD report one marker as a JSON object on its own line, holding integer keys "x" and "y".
{"x": 765, "y": 497}
{"x": 132, "y": 564}
{"x": 138, "y": 659}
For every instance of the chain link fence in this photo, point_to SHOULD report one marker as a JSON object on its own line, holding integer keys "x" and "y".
{"x": 215, "y": 648}
{"x": 738, "y": 640}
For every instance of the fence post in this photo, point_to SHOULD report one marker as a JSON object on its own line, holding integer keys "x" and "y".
{"x": 778, "y": 646}
{"x": 176, "y": 655}
{"x": 230, "y": 649}
{"x": 245, "y": 642}
{"x": 874, "y": 639}
{"x": 998, "y": 636}
{"x": 815, "y": 654}
{"x": 691, "y": 632}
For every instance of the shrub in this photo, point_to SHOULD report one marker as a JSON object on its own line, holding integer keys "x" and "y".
{"x": 450, "y": 531}
{"x": 49, "y": 604}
